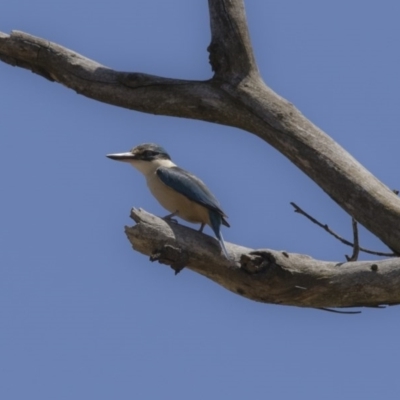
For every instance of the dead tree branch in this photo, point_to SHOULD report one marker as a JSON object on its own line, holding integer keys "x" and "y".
{"x": 268, "y": 276}
{"x": 237, "y": 96}
{"x": 356, "y": 244}
{"x": 326, "y": 228}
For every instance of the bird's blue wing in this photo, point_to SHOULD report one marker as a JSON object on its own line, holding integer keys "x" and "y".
{"x": 190, "y": 186}
{"x": 194, "y": 189}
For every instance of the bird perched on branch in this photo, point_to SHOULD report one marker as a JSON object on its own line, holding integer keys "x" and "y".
{"x": 181, "y": 193}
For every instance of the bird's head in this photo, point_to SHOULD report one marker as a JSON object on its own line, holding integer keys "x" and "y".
{"x": 145, "y": 157}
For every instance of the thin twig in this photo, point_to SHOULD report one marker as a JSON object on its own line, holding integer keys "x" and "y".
{"x": 344, "y": 241}
{"x": 338, "y": 311}
{"x": 356, "y": 247}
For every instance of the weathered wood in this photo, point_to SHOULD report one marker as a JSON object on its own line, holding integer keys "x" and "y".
{"x": 237, "y": 96}
{"x": 245, "y": 103}
{"x": 265, "y": 275}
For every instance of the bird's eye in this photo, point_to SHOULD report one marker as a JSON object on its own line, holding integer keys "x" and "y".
{"x": 148, "y": 154}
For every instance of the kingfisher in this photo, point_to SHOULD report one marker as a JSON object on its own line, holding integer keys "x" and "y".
{"x": 177, "y": 190}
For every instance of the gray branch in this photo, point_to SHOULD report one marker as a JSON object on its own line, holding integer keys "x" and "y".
{"x": 268, "y": 276}
{"x": 237, "y": 96}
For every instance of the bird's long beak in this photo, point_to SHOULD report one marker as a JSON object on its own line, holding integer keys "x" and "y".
{"x": 122, "y": 156}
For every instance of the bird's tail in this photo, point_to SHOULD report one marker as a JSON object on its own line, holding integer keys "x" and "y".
{"x": 224, "y": 221}
{"x": 222, "y": 243}
{"x": 216, "y": 219}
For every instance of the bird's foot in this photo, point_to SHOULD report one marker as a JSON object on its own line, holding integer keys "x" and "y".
{"x": 170, "y": 218}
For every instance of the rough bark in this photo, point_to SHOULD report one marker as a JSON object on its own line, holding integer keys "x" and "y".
{"x": 266, "y": 275}
{"x": 235, "y": 96}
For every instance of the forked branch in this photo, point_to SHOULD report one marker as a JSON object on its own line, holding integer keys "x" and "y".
{"x": 237, "y": 96}
{"x": 357, "y": 248}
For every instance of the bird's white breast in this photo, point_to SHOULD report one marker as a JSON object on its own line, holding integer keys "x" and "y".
{"x": 167, "y": 197}
{"x": 176, "y": 202}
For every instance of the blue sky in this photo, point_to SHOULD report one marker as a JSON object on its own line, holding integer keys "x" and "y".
{"x": 82, "y": 315}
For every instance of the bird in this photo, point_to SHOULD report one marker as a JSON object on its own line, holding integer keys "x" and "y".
{"x": 177, "y": 190}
